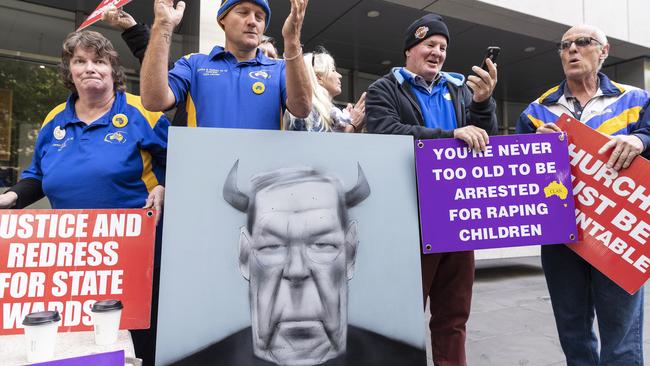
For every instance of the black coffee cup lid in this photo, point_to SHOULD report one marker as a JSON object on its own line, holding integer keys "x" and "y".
{"x": 107, "y": 305}
{"x": 41, "y": 317}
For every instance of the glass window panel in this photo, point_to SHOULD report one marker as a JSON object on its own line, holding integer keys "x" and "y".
{"x": 28, "y": 91}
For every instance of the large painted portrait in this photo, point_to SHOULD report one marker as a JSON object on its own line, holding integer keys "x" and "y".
{"x": 289, "y": 248}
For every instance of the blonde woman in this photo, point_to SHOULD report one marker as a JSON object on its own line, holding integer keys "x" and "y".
{"x": 326, "y": 85}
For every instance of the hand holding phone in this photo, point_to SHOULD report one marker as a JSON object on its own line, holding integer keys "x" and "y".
{"x": 492, "y": 53}
{"x": 483, "y": 83}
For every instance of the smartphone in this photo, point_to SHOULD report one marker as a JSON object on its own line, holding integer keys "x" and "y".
{"x": 492, "y": 53}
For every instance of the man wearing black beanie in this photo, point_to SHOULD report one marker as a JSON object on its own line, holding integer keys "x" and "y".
{"x": 422, "y": 101}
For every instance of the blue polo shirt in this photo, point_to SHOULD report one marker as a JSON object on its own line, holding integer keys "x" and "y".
{"x": 219, "y": 91}
{"x": 434, "y": 100}
{"x": 111, "y": 163}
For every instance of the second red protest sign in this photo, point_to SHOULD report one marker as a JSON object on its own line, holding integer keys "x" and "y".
{"x": 612, "y": 208}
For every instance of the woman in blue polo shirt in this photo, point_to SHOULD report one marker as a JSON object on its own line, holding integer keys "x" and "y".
{"x": 326, "y": 85}
{"x": 100, "y": 149}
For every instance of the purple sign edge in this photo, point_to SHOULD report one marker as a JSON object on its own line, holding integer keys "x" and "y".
{"x": 115, "y": 358}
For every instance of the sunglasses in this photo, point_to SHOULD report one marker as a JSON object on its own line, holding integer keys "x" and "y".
{"x": 580, "y": 42}
{"x": 317, "y": 51}
{"x": 267, "y": 39}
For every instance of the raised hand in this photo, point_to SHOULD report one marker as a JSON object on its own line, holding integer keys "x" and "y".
{"x": 358, "y": 113}
{"x": 166, "y": 14}
{"x": 484, "y": 82}
{"x": 118, "y": 18}
{"x": 293, "y": 24}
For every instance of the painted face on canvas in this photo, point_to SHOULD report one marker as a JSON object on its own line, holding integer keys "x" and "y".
{"x": 299, "y": 262}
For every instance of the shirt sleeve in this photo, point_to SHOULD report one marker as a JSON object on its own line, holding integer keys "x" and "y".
{"x": 28, "y": 191}
{"x": 154, "y": 141}
{"x": 179, "y": 79}
{"x": 524, "y": 124}
{"x": 34, "y": 170}
{"x": 137, "y": 38}
{"x": 641, "y": 129}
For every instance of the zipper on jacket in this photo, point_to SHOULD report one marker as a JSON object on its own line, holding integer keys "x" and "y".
{"x": 416, "y": 105}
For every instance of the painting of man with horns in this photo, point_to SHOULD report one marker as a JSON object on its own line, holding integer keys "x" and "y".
{"x": 298, "y": 251}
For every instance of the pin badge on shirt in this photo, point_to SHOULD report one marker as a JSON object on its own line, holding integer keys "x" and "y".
{"x": 120, "y": 120}
{"x": 59, "y": 133}
{"x": 259, "y": 88}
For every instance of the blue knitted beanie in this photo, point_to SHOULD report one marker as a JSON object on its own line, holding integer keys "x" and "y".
{"x": 227, "y": 5}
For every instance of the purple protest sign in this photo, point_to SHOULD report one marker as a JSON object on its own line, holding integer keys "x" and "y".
{"x": 101, "y": 359}
{"x": 516, "y": 193}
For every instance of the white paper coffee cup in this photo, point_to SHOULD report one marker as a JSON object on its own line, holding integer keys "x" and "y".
{"x": 106, "y": 321}
{"x": 40, "y": 335}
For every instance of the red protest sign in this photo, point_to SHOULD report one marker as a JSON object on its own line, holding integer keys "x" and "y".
{"x": 97, "y": 14}
{"x": 612, "y": 208}
{"x": 66, "y": 260}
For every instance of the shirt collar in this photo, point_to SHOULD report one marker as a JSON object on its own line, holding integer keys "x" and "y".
{"x": 569, "y": 95}
{"x": 418, "y": 80}
{"x": 219, "y": 52}
{"x": 70, "y": 114}
{"x": 606, "y": 87}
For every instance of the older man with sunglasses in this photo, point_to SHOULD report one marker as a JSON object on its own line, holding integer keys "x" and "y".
{"x": 578, "y": 290}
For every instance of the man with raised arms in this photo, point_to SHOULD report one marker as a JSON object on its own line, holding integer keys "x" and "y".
{"x": 235, "y": 86}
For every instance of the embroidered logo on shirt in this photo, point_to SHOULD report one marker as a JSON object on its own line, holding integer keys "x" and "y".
{"x": 600, "y": 113}
{"x": 421, "y": 32}
{"x": 117, "y": 137}
{"x": 447, "y": 96}
{"x": 120, "y": 120}
{"x": 211, "y": 72}
{"x": 260, "y": 75}
{"x": 59, "y": 133}
{"x": 259, "y": 88}
{"x": 64, "y": 144}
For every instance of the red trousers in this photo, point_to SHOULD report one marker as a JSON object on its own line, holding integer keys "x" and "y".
{"x": 447, "y": 280}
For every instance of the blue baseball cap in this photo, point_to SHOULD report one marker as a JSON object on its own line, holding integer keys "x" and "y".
{"x": 227, "y": 5}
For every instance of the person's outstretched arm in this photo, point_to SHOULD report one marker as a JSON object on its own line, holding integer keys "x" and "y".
{"x": 23, "y": 194}
{"x": 155, "y": 92}
{"x": 299, "y": 91}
